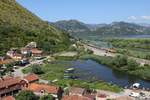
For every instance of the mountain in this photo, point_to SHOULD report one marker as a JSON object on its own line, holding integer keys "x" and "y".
{"x": 18, "y": 26}
{"x": 94, "y": 27}
{"x": 72, "y": 26}
{"x": 145, "y": 24}
{"x": 122, "y": 28}
{"x": 113, "y": 29}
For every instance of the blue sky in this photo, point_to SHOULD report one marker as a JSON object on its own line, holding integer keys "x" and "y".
{"x": 90, "y": 11}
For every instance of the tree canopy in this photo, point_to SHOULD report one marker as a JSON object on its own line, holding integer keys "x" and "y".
{"x": 26, "y": 95}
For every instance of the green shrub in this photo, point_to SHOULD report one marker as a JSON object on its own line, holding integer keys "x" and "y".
{"x": 132, "y": 64}
{"x": 37, "y": 69}
{"x": 26, "y": 95}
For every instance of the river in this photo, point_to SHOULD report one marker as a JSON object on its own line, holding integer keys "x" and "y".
{"x": 91, "y": 70}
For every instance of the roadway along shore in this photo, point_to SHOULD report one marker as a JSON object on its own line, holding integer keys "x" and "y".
{"x": 102, "y": 52}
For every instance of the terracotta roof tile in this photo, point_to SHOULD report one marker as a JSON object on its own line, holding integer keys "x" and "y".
{"x": 8, "y": 81}
{"x": 43, "y": 87}
{"x": 36, "y": 51}
{"x": 31, "y": 77}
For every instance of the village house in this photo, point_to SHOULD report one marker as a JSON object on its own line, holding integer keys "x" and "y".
{"x": 17, "y": 57}
{"x": 14, "y": 55}
{"x": 9, "y": 86}
{"x": 45, "y": 89}
{"x": 36, "y": 52}
{"x": 31, "y": 51}
{"x": 77, "y": 91}
{"x": 31, "y": 78}
{"x": 10, "y": 53}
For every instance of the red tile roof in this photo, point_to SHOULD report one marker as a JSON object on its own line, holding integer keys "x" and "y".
{"x": 76, "y": 97}
{"x": 8, "y": 98}
{"x": 43, "y": 87}
{"x": 31, "y": 77}
{"x": 36, "y": 51}
{"x": 8, "y": 81}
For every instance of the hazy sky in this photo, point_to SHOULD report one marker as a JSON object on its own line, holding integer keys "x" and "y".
{"x": 90, "y": 11}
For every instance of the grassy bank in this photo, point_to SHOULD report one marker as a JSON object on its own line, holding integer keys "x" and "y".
{"x": 90, "y": 85}
{"x": 55, "y": 70}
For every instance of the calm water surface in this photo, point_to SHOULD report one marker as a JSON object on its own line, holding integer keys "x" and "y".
{"x": 90, "y": 70}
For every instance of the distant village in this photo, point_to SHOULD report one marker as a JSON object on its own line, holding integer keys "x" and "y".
{"x": 10, "y": 84}
{"x": 22, "y": 54}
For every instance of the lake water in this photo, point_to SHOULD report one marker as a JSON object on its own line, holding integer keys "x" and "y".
{"x": 98, "y": 40}
{"x": 137, "y": 36}
{"x": 91, "y": 70}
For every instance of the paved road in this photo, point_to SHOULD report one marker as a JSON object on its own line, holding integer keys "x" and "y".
{"x": 102, "y": 52}
{"x": 18, "y": 72}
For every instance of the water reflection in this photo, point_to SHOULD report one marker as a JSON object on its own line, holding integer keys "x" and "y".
{"x": 90, "y": 70}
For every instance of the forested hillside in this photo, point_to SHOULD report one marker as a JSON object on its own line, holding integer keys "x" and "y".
{"x": 18, "y": 26}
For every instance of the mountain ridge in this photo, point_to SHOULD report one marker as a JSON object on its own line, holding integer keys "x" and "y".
{"x": 115, "y": 28}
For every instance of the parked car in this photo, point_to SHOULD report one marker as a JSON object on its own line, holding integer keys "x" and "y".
{"x": 134, "y": 94}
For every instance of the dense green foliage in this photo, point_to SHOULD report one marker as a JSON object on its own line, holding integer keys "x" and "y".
{"x": 18, "y": 26}
{"x": 132, "y": 47}
{"x": 46, "y": 97}
{"x": 131, "y": 43}
{"x": 89, "y": 85}
{"x": 120, "y": 62}
{"x": 26, "y": 95}
{"x": 37, "y": 69}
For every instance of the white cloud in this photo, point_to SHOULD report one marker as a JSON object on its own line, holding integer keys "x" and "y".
{"x": 145, "y": 17}
{"x": 132, "y": 18}
{"x": 139, "y": 18}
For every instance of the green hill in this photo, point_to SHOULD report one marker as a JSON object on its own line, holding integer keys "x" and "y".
{"x": 18, "y": 26}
